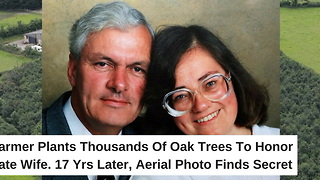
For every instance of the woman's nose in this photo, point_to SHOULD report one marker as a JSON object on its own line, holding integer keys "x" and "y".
{"x": 200, "y": 103}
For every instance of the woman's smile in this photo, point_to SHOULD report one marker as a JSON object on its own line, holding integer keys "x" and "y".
{"x": 208, "y": 118}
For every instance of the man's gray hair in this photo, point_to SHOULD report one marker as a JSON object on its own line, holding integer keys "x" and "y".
{"x": 104, "y": 15}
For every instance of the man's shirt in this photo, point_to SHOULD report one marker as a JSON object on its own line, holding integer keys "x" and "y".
{"x": 76, "y": 127}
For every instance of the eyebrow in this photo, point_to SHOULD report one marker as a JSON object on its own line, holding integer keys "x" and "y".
{"x": 180, "y": 87}
{"x": 207, "y": 74}
{"x": 107, "y": 58}
{"x": 142, "y": 62}
{"x": 100, "y": 56}
{"x": 200, "y": 79}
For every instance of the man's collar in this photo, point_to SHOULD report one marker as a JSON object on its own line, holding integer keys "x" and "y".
{"x": 75, "y": 125}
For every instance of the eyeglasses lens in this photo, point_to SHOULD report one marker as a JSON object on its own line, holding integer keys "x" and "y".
{"x": 213, "y": 88}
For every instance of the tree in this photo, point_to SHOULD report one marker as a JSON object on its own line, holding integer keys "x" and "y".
{"x": 293, "y": 3}
{"x": 21, "y": 97}
{"x": 300, "y": 112}
{"x": 7, "y": 129}
{"x": 20, "y": 4}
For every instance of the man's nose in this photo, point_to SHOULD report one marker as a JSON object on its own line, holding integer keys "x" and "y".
{"x": 118, "y": 81}
{"x": 200, "y": 103}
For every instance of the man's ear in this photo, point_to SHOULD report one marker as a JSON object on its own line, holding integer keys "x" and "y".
{"x": 72, "y": 68}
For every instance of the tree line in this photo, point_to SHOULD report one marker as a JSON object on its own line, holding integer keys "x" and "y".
{"x": 299, "y": 3}
{"x": 14, "y": 49}
{"x": 20, "y": 4}
{"x": 20, "y": 28}
{"x": 300, "y": 114}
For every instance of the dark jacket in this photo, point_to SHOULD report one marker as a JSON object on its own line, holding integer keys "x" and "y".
{"x": 55, "y": 123}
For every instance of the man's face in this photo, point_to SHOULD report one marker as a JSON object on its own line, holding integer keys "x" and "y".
{"x": 109, "y": 80}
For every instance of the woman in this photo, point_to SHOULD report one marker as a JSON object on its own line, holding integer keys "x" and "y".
{"x": 197, "y": 86}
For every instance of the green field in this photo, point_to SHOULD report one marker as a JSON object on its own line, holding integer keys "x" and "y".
{"x": 9, "y": 61}
{"x": 5, "y": 14}
{"x": 11, "y": 39}
{"x": 19, "y": 178}
{"x": 300, "y": 35}
{"x": 11, "y": 19}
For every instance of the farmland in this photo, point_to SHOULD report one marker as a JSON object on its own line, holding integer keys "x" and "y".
{"x": 18, "y": 74}
{"x": 8, "y": 61}
{"x": 19, "y": 178}
{"x": 299, "y": 35}
{"x": 11, "y": 18}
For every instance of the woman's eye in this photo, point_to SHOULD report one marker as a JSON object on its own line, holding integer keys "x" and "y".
{"x": 179, "y": 97}
{"x": 211, "y": 83}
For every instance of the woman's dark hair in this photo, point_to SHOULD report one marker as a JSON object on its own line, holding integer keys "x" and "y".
{"x": 170, "y": 44}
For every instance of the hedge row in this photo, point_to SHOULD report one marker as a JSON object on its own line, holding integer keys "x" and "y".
{"x": 304, "y": 4}
{"x": 21, "y": 28}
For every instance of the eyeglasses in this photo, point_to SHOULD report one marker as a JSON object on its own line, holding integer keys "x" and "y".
{"x": 215, "y": 87}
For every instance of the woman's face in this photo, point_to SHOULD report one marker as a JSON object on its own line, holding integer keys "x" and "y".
{"x": 205, "y": 117}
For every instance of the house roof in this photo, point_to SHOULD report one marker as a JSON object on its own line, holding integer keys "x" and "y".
{"x": 34, "y": 34}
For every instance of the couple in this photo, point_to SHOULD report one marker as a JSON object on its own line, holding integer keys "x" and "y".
{"x": 188, "y": 80}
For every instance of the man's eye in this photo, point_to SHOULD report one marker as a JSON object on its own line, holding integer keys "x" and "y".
{"x": 138, "y": 69}
{"x": 102, "y": 64}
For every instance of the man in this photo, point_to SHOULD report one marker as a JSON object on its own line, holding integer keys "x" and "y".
{"x": 109, "y": 56}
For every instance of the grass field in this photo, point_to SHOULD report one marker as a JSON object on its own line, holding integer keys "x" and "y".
{"x": 11, "y": 19}
{"x": 9, "y": 61}
{"x": 5, "y": 14}
{"x": 19, "y": 178}
{"x": 11, "y": 39}
{"x": 300, "y": 35}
